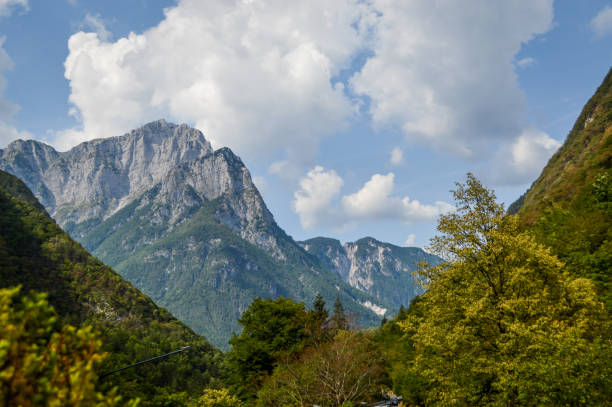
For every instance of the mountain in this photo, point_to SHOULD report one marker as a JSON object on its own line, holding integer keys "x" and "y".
{"x": 380, "y": 269}
{"x": 36, "y": 254}
{"x": 183, "y": 222}
{"x": 585, "y": 155}
{"x": 569, "y": 206}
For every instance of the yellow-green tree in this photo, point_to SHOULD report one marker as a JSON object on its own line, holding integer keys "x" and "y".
{"x": 502, "y": 323}
{"x": 41, "y": 362}
{"x": 217, "y": 398}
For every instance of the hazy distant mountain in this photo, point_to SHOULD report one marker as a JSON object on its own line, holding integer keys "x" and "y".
{"x": 380, "y": 269}
{"x": 182, "y": 222}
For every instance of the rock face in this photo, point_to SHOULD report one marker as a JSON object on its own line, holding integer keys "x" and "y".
{"x": 182, "y": 222}
{"x": 380, "y": 269}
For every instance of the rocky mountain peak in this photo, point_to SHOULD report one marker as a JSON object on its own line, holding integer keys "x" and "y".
{"x": 95, "y": 179}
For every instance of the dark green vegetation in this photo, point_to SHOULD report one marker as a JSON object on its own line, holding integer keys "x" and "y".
{"x": 205, "y": 273}
{"x": 36, "y": 254}
{"x": 288, "y": 356}
{"x": 569, "y": 207}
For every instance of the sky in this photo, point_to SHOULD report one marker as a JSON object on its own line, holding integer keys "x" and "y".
{"x": 355, "y": 117}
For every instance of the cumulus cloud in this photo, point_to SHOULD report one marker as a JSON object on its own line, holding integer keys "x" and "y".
{"x": 8, "y": 6}
{"x": 8, "y": 132}
{"x": 96, "y": 24}
{"x": 397, "y": 156}
{"x": 443, "y": 71}
{"x": 252, "y": 75}
{"x": 375, "y": 202}
{"x": 410, "y": 240}
{"x": 315, "y": 202}
{"x": 313, "y": 199}
{"x": 601, "y": 24}
{"x": 522, "y": 161}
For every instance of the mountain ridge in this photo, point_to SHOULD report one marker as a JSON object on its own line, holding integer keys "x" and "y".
{"x": 163, "y": 186}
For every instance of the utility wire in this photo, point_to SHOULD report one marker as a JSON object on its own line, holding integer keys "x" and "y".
{"x": 146, "y": 361}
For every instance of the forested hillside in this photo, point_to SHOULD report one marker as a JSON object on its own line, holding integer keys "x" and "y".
{"x": 569, "y": 206}
{"x": 37, "y": 255}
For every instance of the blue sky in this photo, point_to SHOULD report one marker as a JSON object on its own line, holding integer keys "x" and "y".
{"x": 355, "y": 118}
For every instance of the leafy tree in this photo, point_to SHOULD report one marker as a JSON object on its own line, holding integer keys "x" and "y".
{"x": 347, "y": 369}
{"x": 502, "y": 323}
{"x": 271, "y": 329}
{"x": 43, "y": 363}
{"x": 217, "y": 398}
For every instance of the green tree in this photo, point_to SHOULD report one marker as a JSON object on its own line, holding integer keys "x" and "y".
{"x": 502, "y": 323}
{"x": 43, "y": 363}
{"x": 217, "y": 398}
{"x": 317, "y": 320}
{"x": 338, "y": 319}
{"x": 271, "y": 330}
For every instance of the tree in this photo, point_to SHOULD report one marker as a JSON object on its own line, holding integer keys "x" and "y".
{"x": 347, "y": 369}
{"x": 502, "y": 323}
{"x": 217, "y": 398}
{"x": 338, "y": 319}
{"x": 317, "y": 320}
{"x": 43, "y": 363}
{"x": 271, "y": 329}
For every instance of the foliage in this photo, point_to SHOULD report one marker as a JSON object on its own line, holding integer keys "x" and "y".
{"x": 37, "y": 254}
{"x": 399, "y": 354}
{"x": 501, "y": 322}
{"x": 331, "y": 374}
{"x": 43, "y": 362}
{"x": 271, "y": 330}
{"x": 581, "y": 236}
{"x": 217, "y": 398}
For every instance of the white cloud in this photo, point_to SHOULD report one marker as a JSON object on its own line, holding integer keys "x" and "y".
{"x": 374, "y": 202}
{"x": 8, "y": 132}
{"x": 410, "y": 240}
{"x": 443, "y": 71}
{"x": 7, "y": 6}
{"x": 523, "y": 160}
{"x": 526, "y": 62}
{"x": 252, "y": 75}
{"x": 96, "y": 24}
{"x": 397, "y": 156}
{"x": 601, "y": 24}
{"x": 315, "y": 202}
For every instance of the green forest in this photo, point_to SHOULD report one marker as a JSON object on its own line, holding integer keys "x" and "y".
{"x": 503, "y": 321}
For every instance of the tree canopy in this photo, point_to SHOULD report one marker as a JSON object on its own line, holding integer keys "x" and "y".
{"x": 501, "y": 322}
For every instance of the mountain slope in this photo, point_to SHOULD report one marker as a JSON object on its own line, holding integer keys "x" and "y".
{"x": 586, "y": 154}
{"x": 569, "y": 206}
{"x": 380, "y": 269}
{"x": 184, "y": 223}
{"x": 36, "y": 254}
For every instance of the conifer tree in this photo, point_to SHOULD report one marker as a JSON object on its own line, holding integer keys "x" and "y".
{"x": 338, "y": 318}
